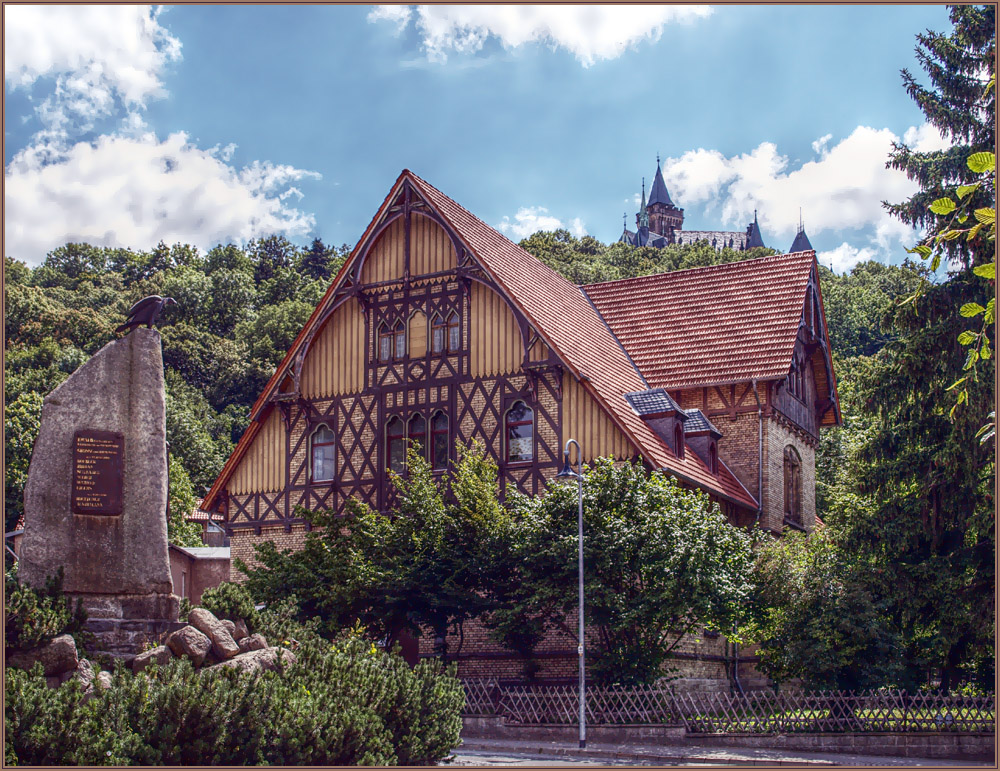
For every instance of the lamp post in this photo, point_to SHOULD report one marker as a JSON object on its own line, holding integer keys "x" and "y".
{"x": 566, "y": 473}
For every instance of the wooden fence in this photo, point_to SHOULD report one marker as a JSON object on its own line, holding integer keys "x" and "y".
{"x": 757, "y": 713}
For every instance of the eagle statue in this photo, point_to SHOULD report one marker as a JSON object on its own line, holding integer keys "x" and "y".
{"x": 146, "y": 311}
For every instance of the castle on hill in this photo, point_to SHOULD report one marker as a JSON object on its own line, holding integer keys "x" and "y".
{"x": 659, "y": 223}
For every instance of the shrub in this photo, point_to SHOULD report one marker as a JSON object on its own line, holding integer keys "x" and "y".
{"x": 232, "y": 601}
{"x": 33, "y": 617}
{"x": 342, "y": 703}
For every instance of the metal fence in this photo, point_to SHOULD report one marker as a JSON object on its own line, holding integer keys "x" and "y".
{"x": 758, "y": 712}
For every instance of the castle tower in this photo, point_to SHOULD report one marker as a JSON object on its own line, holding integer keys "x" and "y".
{"x": 664, "y": 217}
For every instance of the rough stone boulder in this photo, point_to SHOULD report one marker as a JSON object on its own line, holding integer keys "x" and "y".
{"x": 229, "y": 625}
{"x": 189, "y": 642}
{"x": 223, "y": 645}
{"x": 241, "y": 630}
{"x": 84, "y": 674}
{"x": 275, "y": 659}
{"x": 160, "y": 654}
{"x": 254, "y": 642}
{"x": 57, "y": 656}
{"x": 103, "y": 680}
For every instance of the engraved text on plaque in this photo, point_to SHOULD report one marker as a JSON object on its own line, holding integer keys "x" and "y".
{"x": 98, "y": 460}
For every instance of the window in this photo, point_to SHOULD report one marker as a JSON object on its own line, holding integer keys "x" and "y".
{"x": 454, "y": 335}
{"x": 438, "y": 328}
{"x": 520, "y": 433}
{"x": 713, "y": 458}
{"x": 323, "y": 444}
{"x": 384, "y": 343}
{"x": 679, "y": 440}
{"x": 395, "y": 440}
{"x": 793, "y": 486}
{"x": 439, "y": 440}
{"x": 417, "y": 433}
{"x": 400, "y": 333}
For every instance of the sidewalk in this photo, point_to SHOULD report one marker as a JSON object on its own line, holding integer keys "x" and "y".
{"x": 662, "y": 754}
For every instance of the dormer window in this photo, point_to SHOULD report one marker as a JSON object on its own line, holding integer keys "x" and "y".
{"x": 713, "y": 458}
{"x": 679, "y": 440}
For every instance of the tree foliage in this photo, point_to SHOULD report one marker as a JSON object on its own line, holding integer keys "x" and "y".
{"x": 425, "y": 565}
{"x": 659, "y": 562}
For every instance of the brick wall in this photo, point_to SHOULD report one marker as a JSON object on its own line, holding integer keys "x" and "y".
{"x": 242, "y": 541}
{"x": 777, "y": 436}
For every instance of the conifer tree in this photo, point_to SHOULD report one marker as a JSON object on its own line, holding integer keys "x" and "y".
{"x": 927, "y": 536}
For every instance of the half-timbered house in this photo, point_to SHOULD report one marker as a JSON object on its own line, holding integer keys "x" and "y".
{"x": 439, "y": 329}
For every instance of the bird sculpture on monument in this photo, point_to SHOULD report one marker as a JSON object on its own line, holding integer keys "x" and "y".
{"x": 146, "y": 311}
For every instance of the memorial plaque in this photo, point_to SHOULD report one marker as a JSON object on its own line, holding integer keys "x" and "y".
{"x": 98, "y": 461}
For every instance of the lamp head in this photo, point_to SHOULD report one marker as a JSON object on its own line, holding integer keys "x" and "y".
{"x": 567, "y": 470}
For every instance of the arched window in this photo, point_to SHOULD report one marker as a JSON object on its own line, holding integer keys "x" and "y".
{"x": 793, "y": 486}
{"x": 713, "y": 458}
{"x": 679, "y": 440}
{"x": 439, "y": 440}
{"x": 395, "y": 440}
{"x": 384, "y": 343}
{"x": 454, "y": 335}
{"x": 438, "y": 331}
{"x": 323, "y": 448}
{"x": 416, "y": 432}
{"x": 520, "y": 433}
{"x": 399, "y": 332}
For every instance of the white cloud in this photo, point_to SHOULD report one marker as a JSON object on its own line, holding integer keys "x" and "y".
{"x": 925, "y": 139}
{"x": 531, "y": 219}
{"x": 845, "y": 257}
{"x": 590, "y": 32}
{"x": 128, "y": 187}
{"x": 842, "y": 189}
{"x": 399, "y": 15}
{"x": 95, "y": 54}
{"x": 137, "y": 191}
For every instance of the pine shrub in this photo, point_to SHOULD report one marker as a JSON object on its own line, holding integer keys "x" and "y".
{"x": 33, "y": 617}
{"x": 343, "y": 703}
{"x": 232, "y": 601}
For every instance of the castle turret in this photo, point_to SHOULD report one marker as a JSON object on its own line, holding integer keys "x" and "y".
{"x": 664, "y": 217}
{"x": 754, "y": 237}
{"x": 801, "y": 242}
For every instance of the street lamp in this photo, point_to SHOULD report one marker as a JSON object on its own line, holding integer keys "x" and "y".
{"x": 567, "y": 473}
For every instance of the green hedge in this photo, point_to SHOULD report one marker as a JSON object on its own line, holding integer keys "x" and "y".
{"x": 342, "y": 703}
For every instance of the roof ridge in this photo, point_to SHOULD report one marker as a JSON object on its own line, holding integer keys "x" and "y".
{"x": 556, "y": 273}
{"x": 718, "y": 266}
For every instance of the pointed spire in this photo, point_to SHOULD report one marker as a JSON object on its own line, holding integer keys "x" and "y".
{"x": 658, "y": 192}
{"x": 624, "y": 220}
{"x": 643, "y": 220}
{"x": 801, "y": 242}
{"x": 755, "y": 238}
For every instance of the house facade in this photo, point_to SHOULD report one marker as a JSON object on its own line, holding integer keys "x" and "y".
{"x": 439, "y": 329}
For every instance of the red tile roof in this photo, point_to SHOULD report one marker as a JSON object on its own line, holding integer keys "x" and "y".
{"x": 703, "y": 326}
{"x": 566, "y": 320}
{"x": 563, "y": 315}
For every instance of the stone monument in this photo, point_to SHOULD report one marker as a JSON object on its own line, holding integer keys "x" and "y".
{"x": 96, "y": 495}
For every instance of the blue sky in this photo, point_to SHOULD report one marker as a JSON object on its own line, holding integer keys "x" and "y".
{"x": 127, "y": 125}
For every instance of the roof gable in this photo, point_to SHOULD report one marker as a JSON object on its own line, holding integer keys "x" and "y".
{"x": 560, "y": 311}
